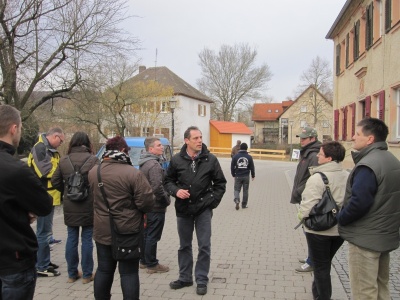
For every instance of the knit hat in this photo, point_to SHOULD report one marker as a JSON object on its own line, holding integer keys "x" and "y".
{"x": 243, "y": 146}
{"x": 307, "y": 132}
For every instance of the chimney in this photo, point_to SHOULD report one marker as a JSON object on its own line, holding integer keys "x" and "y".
{"x": 141, "y": 69}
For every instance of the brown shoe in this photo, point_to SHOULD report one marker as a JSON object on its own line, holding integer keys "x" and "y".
{"x": 142, "y": 266}
{"x": 158, "y": 269}
{"x": 88, "y": 279}
{"x": 73, "y": 279}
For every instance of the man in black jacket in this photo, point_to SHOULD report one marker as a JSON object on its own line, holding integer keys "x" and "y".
{"x": 22, "y": 198}
{"x": 196, "y": 180}
{"x": 308, "y": 157}
{"x": 241, "y": 166}
{"x": 150, "y": 163}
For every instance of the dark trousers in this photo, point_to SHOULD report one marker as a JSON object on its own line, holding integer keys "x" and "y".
{"x": 239, "y": 183}
{"x": 19, "y": 286}
{"x": 152, "y": 235}
{"x": 103, "y": 280}
{"x": 322, "y": 248}
{"x": 186, "y": 226}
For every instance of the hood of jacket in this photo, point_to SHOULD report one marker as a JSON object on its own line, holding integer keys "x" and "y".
{"x": 146, "y": 156}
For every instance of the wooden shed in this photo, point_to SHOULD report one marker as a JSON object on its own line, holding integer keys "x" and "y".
{"x": 225, "y": 134}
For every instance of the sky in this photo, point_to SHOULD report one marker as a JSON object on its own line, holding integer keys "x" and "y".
{"x": 287, "y": 34}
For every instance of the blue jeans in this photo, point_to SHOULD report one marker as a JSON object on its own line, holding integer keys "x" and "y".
{"x": 71, "y": 251}
{"x": 239, "y": 182}
{"x": 128, "y": 270}
{"x": 19, "y": 286}
{"x": 44, "y": 231}
{"x": 322, "y": 248}
{"x": 152, "y": 235}
{"x": 186, "y": 226}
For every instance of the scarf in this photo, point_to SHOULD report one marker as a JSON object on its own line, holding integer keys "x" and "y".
{"x": 116, "y": 155}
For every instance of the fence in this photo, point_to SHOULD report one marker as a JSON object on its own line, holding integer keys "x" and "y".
{"x": 256, "y": 153}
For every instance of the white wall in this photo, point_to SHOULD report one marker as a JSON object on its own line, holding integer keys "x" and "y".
{"x": 244, "y": 138}
{"x": 186, "y": 114}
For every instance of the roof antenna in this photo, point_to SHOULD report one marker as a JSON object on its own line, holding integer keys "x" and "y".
{"x": 155, "y": 66}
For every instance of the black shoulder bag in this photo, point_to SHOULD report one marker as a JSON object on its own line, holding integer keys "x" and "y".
{"x": 124, "y": 246}
{"x": 323, "y": 215}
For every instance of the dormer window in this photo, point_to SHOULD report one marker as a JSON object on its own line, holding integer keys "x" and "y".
{"x": 269, "y": 110}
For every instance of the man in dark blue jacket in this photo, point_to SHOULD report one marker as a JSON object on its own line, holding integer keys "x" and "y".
{"x": 241, "y": 166}
{"x": 195, "y": 179}
{"x": 22, "y": 198}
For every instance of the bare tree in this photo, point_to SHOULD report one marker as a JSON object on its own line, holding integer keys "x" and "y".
{"x": 231, "y": 77}
{"x": 113, "y": 104}
{"x": 49, "y": 45}
{"x": 319, "y": 75}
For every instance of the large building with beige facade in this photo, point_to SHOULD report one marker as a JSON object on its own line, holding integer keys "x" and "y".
{"x": 366, "y": 36}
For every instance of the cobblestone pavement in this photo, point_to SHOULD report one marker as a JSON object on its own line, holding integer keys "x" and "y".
{"x": 254, "y": 251}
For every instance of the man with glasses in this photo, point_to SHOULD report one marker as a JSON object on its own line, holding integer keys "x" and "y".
{"x": 308, "y": 157}
{"x": 44, "y": 159}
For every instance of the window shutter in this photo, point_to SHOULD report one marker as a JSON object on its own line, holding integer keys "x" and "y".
{"x": 353, "y": 119}
{"x": 336, "y": 124}
{"x": 369, "y": 26}
{"x": 382, "y": 105}
{"x": 205, "y": 110}
{"x": 199, "y": 109}
{"x": 356, "y": 40}
{"x": 344, "y": 127}
{"x": 388, "y": 15}
{"x": 368, "y": 107}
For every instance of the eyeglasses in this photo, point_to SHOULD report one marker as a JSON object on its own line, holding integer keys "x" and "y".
{"x": 61, "y": 140}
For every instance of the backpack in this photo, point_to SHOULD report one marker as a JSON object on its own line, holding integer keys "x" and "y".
{"x": 77, "y": 188}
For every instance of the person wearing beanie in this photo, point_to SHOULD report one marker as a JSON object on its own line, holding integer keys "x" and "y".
{"x": 242, "y": 165}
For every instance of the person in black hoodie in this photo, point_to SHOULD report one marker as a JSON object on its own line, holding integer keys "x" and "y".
{"x": 195, "y": 178}
{"x": 241, "y": 166}
{"x": 22, "y": 198}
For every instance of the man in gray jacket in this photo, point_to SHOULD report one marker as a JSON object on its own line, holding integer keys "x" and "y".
{"x": 370, "y": 217}
{"x": 150, "y": 165}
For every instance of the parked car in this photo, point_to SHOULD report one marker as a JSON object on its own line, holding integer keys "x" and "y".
{"x": 137, "y": 148}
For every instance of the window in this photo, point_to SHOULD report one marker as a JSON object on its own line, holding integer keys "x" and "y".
{"x": 202, "y": 110}
{"x": 325, "y": 123}
{"x": 164, "y": 106}
{"x": 269, "y": 110}
{"x": 338, "y": 59}
{"x": 353, "y": 118}
{"x": 276, "y": 110}
{"x": 303, "y": 108}
{"x": 145, "y": 131}
{"x": 381, "y": 106}
{"x": 367, "y": 107}
{"x": 369, "y": 28}
{"x": 397, "y": 97}
{"x": 356, "y": 42}
{"x": 303, "y": 124}
{"x": 388, "y": 15}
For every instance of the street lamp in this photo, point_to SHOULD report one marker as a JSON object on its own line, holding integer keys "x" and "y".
{"x": 172, "y": 106}
{"x": 291, "y": 136}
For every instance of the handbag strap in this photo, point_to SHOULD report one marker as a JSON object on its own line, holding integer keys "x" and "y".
{"x": 328, "y": 190}
{"x": 103, "y": 192}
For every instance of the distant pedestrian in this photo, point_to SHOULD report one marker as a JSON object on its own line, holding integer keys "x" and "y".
{"x": 324, "y": 244}
{"x": 236, "y": 148}
{"x": 370, "y": 217}
{"x": 22, "y": 198}
{"x": 196, "y": 180}
{"x": 78, "y": 215}
{"x": 308, "y": 157}
{"x": 242, "y": 165}
{"x": 150, "y": 164}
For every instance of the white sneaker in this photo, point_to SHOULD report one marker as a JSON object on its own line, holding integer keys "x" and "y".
{"x": 305, "y": 268}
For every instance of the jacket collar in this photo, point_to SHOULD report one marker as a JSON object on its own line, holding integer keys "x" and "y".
{"x": 358, "y": 155}
{"x": 331, "y": 166}
{"x": 10, "y": 149}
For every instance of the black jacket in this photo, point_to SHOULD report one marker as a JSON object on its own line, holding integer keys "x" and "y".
{"x": 308, "y": 158}
{"x": 242, "y": 164}
{"x": 21, "y": 192}
{"x": 75, "y": 213}
{"x": 203, "y": 177}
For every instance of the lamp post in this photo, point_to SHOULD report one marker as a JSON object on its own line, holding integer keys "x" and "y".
{"x": 291, "y": 136}
{"x": 172, "y": 106}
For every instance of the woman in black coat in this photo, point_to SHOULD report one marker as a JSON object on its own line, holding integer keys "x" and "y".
{"x": 77, "y": 214}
